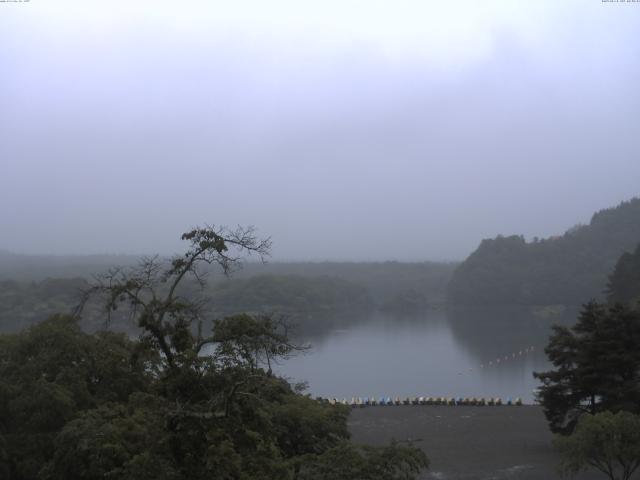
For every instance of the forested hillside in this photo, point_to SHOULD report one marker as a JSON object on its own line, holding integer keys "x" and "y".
{"x": 569, "y": 269}
{"x": 624, "y": 282}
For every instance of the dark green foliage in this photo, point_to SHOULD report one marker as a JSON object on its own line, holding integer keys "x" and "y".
{"x": 597, "y": 366}
{"x": 51, "y": 373}
{"x": 559, "y": 270}
{"x": 624, "y": 282}
{"x": 348, "y": 462}
{"x": 607, "y": 442}
{"x": 124, "y": 441}
{"x": 75, "y": 405}
{"x": 244, "y": 340}
{"x": 305, "y": 427}
{"x": 85, "y": 406}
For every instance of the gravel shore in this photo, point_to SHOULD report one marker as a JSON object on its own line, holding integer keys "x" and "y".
{"x": 466, "y": 442}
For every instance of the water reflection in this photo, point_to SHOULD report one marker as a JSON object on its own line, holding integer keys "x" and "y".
{"x": 440, "y": 353}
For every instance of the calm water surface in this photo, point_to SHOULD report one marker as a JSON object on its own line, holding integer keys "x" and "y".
{"x": 455, "y": 353}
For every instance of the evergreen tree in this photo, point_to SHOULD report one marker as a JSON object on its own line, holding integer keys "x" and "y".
{"x": 597, "y": 366}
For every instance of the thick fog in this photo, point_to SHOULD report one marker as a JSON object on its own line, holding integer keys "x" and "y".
{"x": 362, "y": 130}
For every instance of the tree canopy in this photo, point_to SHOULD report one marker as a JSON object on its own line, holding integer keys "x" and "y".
{"x": 52, "y": 373}
{"x": 605, "y": 441}
{"x": 95, "y": 406}
{"x": 596, "y": 366}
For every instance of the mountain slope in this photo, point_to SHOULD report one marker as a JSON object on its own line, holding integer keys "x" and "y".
{"x": 569, "y": 269}
{"x": 624, "y": 282}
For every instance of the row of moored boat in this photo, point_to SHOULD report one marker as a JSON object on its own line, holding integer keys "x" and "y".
{"x": 451, "y": 401}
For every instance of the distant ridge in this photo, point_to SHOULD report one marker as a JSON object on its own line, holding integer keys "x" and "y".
{"x": 17, "y": 266}
{"x": 568, "y": 269}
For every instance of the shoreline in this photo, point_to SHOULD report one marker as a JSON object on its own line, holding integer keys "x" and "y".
{"x": 467, "y": 442}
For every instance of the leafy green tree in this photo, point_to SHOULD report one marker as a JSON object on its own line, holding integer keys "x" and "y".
{"x": 303, "y": 426}
{"x": 50, "y": 373}
{"x": 347, "y": 461}
{"x": 597, "y": 366}
{"x": 253, "y": 341}
{"x": 113, "y": 441}
{"x": 83, "y": 406}
{"x": 226, "y": 417}
{"x": 607, "y": 442}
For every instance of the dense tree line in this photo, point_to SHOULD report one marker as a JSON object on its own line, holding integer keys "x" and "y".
{"x": 307, "y": 300}
{"x": 559, "y": 270}
{"x": 289, "y": 294}
{"x": 382, "y": 280}
{"x": 304, "y": 299}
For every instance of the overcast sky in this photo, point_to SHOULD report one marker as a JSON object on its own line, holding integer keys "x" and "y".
{"x": 345, "y": 130}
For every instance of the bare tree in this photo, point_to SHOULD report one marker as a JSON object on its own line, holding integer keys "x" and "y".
{"x": 150, "y": 291}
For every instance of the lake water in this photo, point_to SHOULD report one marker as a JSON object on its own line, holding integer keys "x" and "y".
{"x": 455, "y": 353}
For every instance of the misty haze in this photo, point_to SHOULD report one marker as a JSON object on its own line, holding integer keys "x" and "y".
{"x": 319, "y": 240}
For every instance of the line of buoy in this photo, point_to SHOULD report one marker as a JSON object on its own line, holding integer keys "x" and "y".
{"x": 501, "y": 359}
{"x": 450, "y": 401}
